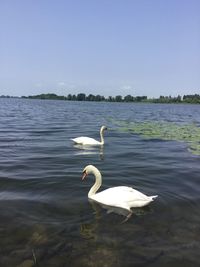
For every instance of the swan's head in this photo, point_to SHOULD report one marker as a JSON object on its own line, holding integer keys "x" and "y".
{"x": 89, "y": 169}
{"x": 103, "y": 128}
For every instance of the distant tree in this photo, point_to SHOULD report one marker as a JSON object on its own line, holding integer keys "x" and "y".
{"x": 191, "y": 98}
{"x": 81, "y": 97}
{"x": 74, "y": 98}
{"x": 110, "y": 99}
{"x": 69, "y": 97}
{"x": 90, "y": 97}
{"x": 128, "y": 98}
{"x": 178, "y": 99}
{"x": 103, "y": 98}
{"x": 118, "y": 98}
{"x": 5, "y": 96}
{"x": 99, "y": 98}
{"x": 50, "y": 96}
{"x": 141, "y": 98}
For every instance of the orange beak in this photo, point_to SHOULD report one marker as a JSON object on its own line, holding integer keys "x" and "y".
{"x": 84, "y": 175}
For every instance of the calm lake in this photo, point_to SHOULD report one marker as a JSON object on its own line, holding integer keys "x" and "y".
{"x": 46, "y": 218}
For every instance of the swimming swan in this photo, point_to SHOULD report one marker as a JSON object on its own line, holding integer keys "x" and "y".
{"x": 90, "y": 141}
{"x": 121, "y": 196}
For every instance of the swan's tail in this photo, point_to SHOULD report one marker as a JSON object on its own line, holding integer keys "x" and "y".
{"x": 153, "y": 197}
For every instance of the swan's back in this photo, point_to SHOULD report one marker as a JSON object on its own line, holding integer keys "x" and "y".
{"x": 123, "y": 196}
{"x": 83, "y": 140}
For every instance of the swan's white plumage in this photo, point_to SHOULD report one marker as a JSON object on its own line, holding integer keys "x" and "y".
{"x": 83, "y": 140}
{"x": 120, "y": 196}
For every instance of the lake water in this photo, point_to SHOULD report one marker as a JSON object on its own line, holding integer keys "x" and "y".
{"x": 46, "y": 218}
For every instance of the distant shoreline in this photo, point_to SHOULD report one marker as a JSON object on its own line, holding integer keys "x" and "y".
{"x": 186, "y": 99}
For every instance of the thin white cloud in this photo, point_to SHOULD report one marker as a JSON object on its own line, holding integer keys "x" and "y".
{"x": 126, "y": 87}
{"x": 61, "y": 83}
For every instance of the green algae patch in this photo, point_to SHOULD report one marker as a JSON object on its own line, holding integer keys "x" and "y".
{"x": 188, "y": 133}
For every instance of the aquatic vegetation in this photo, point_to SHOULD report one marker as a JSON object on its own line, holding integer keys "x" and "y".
{"x": 188, "y": 133}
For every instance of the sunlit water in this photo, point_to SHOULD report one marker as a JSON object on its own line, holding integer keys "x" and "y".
{"x": 46, "y": 219}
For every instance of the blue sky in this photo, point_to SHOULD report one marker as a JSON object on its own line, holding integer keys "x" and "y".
{"x": 107, "y": 47}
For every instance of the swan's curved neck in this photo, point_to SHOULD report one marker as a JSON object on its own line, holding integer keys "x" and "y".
{"x": 102, "y": 137}
{"x": 97, "y": 184}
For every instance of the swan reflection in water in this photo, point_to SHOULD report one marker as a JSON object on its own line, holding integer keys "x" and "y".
{"x": 101, "y": 247}
{"x": 110, "y": 209}
{"x": 97, "y": 207}
{"x": 89, "y": 230}
{"x": 89, "y": 150}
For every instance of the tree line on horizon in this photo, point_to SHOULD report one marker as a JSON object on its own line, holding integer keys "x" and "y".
{"x": 118, "y": 98}
{"x": 90, "y": 97}
{"x": 194, "y": 99}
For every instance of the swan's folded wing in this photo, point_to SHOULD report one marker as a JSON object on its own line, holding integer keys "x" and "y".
{"x": 122, "y": 196}
{"x": 130, "y": 193}
{"x": 133, "y": 197}
{"x": 85, "y": 140}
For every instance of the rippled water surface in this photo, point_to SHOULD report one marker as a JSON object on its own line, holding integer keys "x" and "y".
{"x": 46, "y": 219}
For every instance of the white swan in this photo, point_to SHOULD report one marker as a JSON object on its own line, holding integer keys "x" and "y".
{"x": 90, "y": 141}
{"x": 121, "y": 196}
